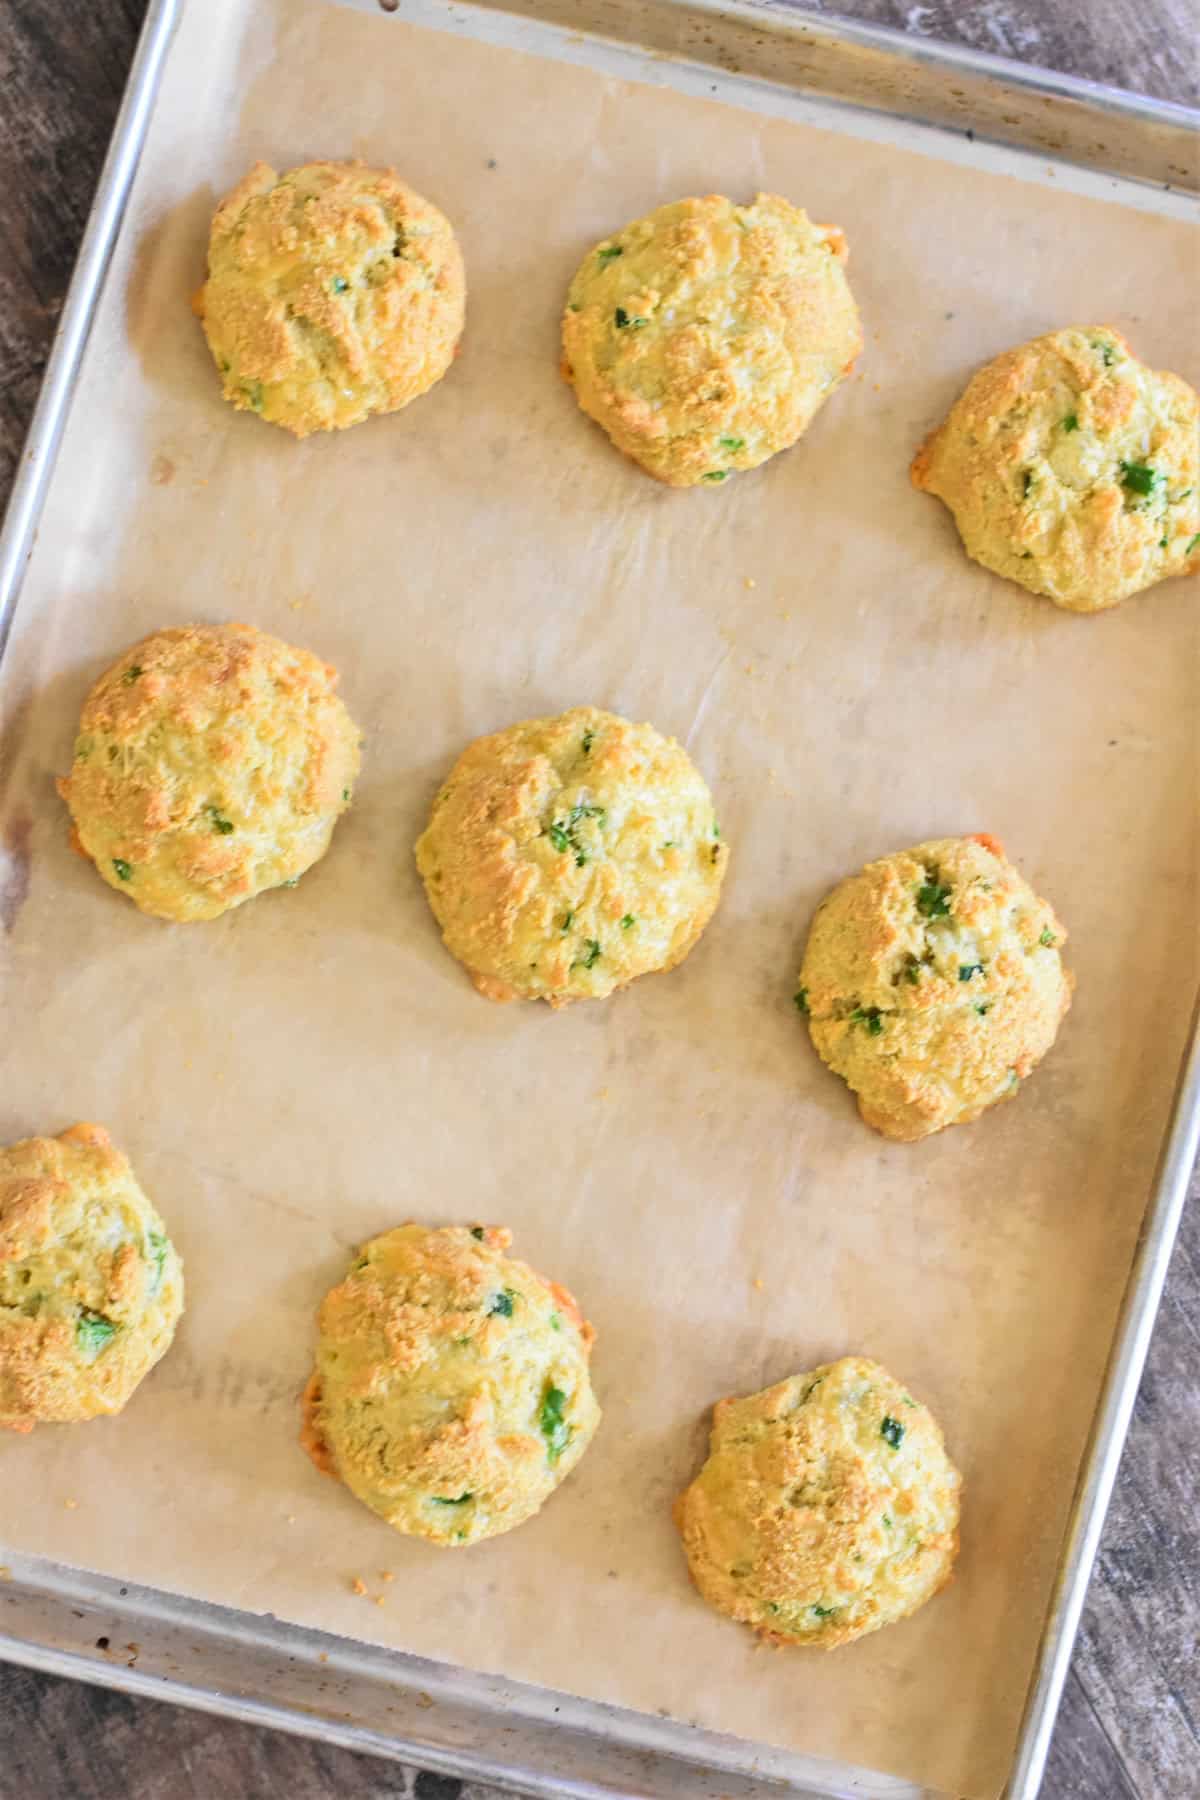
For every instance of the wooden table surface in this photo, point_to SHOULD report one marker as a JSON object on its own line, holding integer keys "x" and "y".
{"x": 1128, "y": 1729}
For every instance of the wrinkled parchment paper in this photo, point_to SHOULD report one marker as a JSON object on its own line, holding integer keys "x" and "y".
{"x": 313, "y": 1068}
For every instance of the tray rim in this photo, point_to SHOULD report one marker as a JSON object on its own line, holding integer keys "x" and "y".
{"x": 1181, "y": 1143}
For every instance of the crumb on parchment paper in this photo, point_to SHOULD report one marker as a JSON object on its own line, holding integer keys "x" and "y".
{"x": 358, "y": 1585}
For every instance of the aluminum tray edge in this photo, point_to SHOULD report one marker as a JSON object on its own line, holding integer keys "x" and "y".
{"x": 75, "y": 323}
{"x": 1102, "y": 1457}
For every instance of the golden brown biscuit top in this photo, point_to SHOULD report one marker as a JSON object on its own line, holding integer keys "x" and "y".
{"x": 1072, "y": 468}
{"x": 946, "y": 924}
{"x": 705, "y": 336}
{"x": 76, "y": 1231}
{"x": 933, "y": 983}
{"x": 90, "y": 1284}
{"x": 567, "y": 855}
{"x": 334, "y": 291}
{"x": 451, "y": 1391}
{"x": 211, "y": 762}
{"x": 827, "y": 1506}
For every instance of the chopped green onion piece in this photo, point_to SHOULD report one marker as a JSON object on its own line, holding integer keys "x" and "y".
{"x": 1071, "y": 422}
{"x": 608, "y": 251}
{"x": 892, "y": 1431}
{"x": 1047, "y": 938}
{"x": 131, "y": 675}
{"x": 870, "y": 1016}
{"x": 966, "y": 970}
{"x": 627, "y": 921}
{"x": 219, "y": 822}
{"x": 503, "y": 1304}
{"x": 477, "y": 1232}
{"x": 732, "y": 444}
{"x": 462, "y": 1499}
{"x": 93, "y": 1332}
{"x": 934, "y": 900}
{"x": 628, "y": 321}
{"x": 124, "y": 869}
{"x": 554, "y": 1427}
{"x": 715, "y": 475}
{"x": 1140, "y": 478}
{"x": 800, "y": 1000}
{"x": 156, "y": 1254}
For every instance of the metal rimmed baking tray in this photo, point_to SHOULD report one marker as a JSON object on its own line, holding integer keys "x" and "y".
{"x": 766, "y": 60}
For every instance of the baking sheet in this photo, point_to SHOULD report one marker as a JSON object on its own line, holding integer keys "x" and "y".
{"x": 313, "y": 1068}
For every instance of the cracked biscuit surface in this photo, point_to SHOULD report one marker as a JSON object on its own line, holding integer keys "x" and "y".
{"x": 451, "y": 1391}
{"x": 91, "y": 1287}
{"x": 1072, "y": 468}
{"x": 827, "y": 1507}
{"x": 334, "y": 291}
{"x": 212, "y": 762}
{"x": 933, "y": 984}
{"x": 566, "y": 856}
{"x": 705, "y": 336}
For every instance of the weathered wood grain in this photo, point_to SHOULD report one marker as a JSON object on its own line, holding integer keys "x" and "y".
{"x": 1128, "y": 1726}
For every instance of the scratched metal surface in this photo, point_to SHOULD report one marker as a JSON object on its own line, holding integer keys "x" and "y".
{"x": 1128, "y": 1728}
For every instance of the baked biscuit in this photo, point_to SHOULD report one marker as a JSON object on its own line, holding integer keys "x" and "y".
{"x": 91, "y": 1287}
{"x": 705, "y": 337}
{"x": 566, "y": 856}
{"x": 827, "y": 1507}
{"x": 933, "y": 984}
{"x": 333, "y": 292}
{"x": 451, "y": 1390}
{"x": 212, "y": 762}
{"x": 1072, "y": 468}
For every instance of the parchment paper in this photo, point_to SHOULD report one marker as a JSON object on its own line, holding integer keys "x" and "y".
{"x": 313, "y": 1068}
